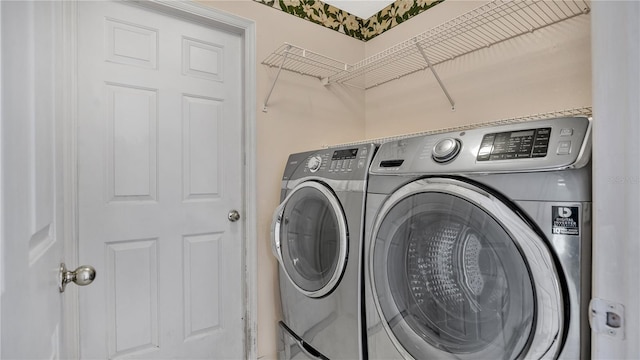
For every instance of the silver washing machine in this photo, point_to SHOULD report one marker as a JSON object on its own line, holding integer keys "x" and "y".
{"x": 317, "y": 235}
{"x": 477, "y": 244}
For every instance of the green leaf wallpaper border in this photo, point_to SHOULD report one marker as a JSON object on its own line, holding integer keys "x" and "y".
{"x": 339, "y": 20}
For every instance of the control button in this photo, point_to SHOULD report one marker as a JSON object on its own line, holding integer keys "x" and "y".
{"x": 314, "y": 163}
{"x": 543, "y": 135}
{"x": 541, "y": 143}
{"x": 360, "y": 163}
{"x": 564, "y": 148}
{"x": 333, "y": 165}
{"x": 485, "y": 148}
{"x": 566, "y": 132}
{"x": 483, "y": 157}
{"x": 446, "y": 150}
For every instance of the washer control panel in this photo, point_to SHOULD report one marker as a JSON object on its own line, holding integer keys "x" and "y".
{"x": 525, "y": 146}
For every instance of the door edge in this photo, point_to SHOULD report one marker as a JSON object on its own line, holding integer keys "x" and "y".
{"x": 67, "y": 135}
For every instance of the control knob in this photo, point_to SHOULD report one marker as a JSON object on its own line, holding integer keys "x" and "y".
{"x": 446, "y": 150}
{"x": 314, "y": 163}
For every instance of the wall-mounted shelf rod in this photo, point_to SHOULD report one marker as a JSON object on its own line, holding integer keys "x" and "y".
{"x": 435, "y": 74}
{"x": 304, "y": 62}
{"x": 284, "y": 58}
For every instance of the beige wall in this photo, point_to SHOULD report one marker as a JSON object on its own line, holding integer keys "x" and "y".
{"x": 302, "y": 115}
{"x": 547, "y": 70}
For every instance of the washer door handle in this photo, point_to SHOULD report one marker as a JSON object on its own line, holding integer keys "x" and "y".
{"x": 275, "y": 231}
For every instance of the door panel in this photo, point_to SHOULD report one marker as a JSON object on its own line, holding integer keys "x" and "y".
{"x": 31, "y": 220}
{"x": 159, "y": 167}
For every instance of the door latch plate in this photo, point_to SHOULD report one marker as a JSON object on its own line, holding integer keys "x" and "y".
{"x": 607, "y": 317}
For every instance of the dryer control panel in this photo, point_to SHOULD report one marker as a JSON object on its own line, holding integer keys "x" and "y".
{"x": 340, "y": 163}
{"x": 542, "y": 145}
{"x": 343, "y": 160}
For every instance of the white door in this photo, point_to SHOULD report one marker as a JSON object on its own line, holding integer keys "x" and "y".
{"x": 31, "y": 225}
{"x": 159, "y": 169}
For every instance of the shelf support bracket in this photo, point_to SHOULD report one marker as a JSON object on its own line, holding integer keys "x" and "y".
{"x": 284, "y": 58}
{"x": 435, "y": 74}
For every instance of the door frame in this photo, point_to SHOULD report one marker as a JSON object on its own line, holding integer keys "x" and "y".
{"x": 66, "y": 129}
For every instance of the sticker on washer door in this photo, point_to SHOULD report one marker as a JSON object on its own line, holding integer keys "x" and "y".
{"x": 564, "y": 220}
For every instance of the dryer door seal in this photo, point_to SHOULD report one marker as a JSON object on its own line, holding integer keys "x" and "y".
{"x": 309, "y": 237}
{"x": 457, "y": 274}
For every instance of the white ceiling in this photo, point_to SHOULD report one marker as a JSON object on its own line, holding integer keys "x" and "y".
{"x": 363, "y": 9}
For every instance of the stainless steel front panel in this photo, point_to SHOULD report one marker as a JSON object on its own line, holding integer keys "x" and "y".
{"x": 573, "y": 253}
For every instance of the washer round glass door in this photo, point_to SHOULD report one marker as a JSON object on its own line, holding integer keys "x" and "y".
{"x": 310, "y": 236}
{"x": 456, "y": 274}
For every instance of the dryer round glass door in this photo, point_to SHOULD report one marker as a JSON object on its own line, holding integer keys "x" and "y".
{"x": 312, "y": 234}
{"x": 458, "y": 274}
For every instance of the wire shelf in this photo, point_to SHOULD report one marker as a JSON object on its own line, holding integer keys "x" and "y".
{"x": 487, "y": 25}
{"x": 583, "y": 111}
{"x": 482, "y": 27}
{"x": 305, "y": 62}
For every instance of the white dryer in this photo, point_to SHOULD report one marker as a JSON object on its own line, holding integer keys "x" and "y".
{"x": 477, "y": 244}
{"x": 317, "y": 233}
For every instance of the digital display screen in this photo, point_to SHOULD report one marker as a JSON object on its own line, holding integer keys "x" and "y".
{"x": 344, "y": 154}
{"x": 522, "y": 133}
